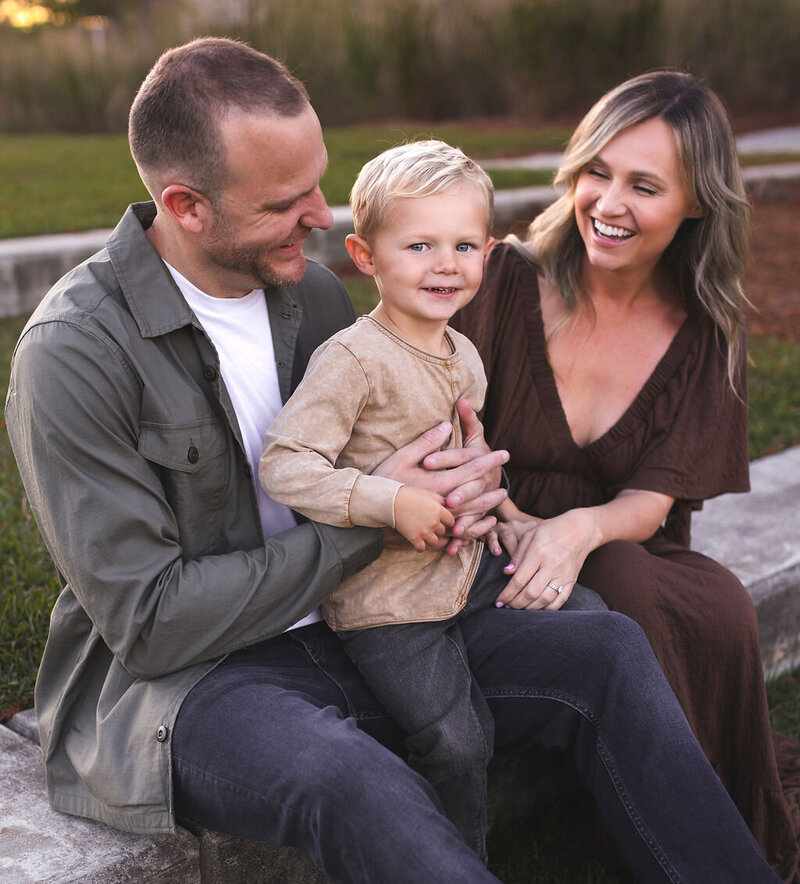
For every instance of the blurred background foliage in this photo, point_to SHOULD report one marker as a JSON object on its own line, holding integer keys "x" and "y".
{"x": 74, "y": 65}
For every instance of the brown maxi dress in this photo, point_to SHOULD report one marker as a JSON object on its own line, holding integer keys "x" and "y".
{"x": 685, "y": 435}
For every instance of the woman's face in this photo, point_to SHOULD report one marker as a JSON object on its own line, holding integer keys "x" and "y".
{"x": 630, "y": 200}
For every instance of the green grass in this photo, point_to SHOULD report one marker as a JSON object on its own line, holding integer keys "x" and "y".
{"x": 774, "y": 392}
{"x": 64, "y": 183}
{"x": 783, "y": 695}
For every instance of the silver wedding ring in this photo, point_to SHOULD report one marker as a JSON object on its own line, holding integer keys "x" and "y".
{"x": 558, "y": 589}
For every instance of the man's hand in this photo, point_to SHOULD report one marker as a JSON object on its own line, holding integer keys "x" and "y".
{"x": 467, "y": 478}
{"x": 421, "y": 517}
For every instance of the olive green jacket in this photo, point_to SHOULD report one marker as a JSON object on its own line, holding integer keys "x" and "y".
{"x": 132, "y": 460}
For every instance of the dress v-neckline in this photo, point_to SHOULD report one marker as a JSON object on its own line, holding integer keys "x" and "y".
{"x": 545, "y": 381}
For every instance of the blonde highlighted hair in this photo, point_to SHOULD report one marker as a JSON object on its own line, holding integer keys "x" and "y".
{"x": 415, "y": 169}
{"x": 707, "y": 257}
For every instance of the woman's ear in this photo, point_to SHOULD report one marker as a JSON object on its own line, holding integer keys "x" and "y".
{"x": 188, "y": 207}
{"x": 361, "y": 253}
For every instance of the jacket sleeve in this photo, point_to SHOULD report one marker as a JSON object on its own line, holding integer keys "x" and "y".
{"x": 73, "y": 417}
{"x": 298, "y": 466}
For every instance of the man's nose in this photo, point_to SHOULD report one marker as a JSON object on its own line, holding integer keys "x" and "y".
{"x": 316, "y": 212}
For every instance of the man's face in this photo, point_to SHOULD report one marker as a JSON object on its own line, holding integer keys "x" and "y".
{"x": 269, "y": 203}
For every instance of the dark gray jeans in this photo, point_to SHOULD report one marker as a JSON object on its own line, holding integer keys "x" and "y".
{"x": 283, "y": 742}
{"x": 421, "y": 675}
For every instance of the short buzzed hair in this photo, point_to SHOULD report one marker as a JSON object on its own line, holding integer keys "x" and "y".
{"x": 415, "y": 169}
{"x": 174, "y": 122}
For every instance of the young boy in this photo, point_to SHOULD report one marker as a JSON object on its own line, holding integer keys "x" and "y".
{"x": 422, "y": 214}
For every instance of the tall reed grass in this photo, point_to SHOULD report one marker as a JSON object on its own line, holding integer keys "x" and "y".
{"x": 372, "y": 60}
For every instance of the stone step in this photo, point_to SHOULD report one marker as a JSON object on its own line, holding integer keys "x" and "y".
{"x": 30, "y": 265}
{"x": 757, "y": 536}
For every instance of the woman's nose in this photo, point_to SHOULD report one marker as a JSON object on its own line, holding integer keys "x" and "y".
{"x": 610, "y": 201}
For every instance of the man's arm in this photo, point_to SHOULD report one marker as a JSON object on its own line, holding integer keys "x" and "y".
{"x": 468, "y": 478}
{"x": 73, "y": 417}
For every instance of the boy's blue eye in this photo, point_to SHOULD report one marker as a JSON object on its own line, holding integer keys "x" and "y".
{"x": 464, "y": 247}
{"x": 417, "y": 246}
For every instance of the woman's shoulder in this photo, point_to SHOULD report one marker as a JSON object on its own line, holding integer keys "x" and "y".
{"x": 512, "y": 252}
{"x": 510, "y": 270}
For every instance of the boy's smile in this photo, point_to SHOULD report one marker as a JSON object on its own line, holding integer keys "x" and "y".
{"x": 427, "y": 260}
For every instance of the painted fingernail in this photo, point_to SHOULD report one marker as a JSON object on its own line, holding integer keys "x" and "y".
{"x": 499, "y": 605}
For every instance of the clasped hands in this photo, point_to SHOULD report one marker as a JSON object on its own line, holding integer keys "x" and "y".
{"x": 447, "y": 495}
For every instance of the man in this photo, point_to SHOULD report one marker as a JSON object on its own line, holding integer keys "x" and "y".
{"x": 186, "y": 672}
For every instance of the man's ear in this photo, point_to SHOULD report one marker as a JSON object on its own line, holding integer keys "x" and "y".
{"x": 188, "y": 207}
{"x": 361, "y": 253}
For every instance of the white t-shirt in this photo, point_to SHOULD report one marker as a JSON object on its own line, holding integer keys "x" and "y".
{"x": 240, "y": 331}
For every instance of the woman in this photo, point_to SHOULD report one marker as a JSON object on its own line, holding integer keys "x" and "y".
{"x": 613, "y": 340}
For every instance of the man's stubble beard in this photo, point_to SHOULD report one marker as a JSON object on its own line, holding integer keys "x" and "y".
{"x": 222, "y": 250}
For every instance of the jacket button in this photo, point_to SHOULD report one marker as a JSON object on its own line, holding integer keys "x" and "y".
{"x": 192, "y": 455}
{"x": 161, "y": 733}
{"x": 209, "y": 372}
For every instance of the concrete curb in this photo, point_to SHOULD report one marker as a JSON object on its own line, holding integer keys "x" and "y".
{"x": 30, "y": 265}
{"x": 757, "y": 536}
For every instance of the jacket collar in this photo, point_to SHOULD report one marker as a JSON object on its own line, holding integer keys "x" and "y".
{"x": 154, "y": 300}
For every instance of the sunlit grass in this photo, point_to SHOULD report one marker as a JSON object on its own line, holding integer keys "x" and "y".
{"x": 64, "y": 183}
{"x": 774, "y": 392}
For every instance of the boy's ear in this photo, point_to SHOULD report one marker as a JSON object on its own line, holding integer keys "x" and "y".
{"x": 361, "y": 253}
{"x": 489, "y": 243}
{"x": 188, "y": 207}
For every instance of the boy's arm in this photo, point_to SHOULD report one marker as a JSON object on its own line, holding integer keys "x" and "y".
{"x": 305, "y": 439}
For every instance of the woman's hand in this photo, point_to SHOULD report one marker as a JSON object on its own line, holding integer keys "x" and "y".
{"x": 546, "y": 555}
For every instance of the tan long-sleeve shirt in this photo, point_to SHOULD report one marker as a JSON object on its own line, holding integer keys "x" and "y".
{"x": 365, "y": 394}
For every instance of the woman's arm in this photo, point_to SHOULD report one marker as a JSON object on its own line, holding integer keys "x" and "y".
{"x": 552, "y": 551}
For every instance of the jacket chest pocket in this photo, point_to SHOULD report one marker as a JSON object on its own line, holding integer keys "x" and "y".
{"x": 193, "y": 463}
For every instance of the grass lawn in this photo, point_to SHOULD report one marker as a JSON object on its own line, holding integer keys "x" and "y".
{"x": 67, "y": 183}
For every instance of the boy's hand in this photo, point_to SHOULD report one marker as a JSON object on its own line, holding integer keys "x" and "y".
{"x": 421, "y": 517}
{"x": 468, "y": 477}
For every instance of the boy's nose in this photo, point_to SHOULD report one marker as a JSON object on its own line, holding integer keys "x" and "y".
{"x": 447, "y": 262}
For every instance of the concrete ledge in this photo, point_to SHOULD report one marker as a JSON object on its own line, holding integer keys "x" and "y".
{"x": 757, "y": 536}
{"x": 37, "y": 844}
{"x": 29, "y": 266}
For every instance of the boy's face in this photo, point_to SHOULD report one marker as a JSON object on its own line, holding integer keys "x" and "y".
{"x": 427, "y": 256}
